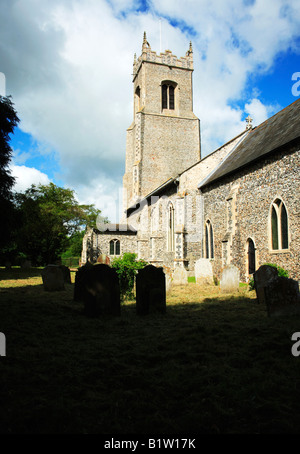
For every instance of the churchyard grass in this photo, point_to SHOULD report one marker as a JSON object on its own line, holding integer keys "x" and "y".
{"x": 214, "y": 363}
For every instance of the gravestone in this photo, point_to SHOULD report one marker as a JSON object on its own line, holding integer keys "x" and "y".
{"x": 80, "y": 278}
{"x": 203, "y": 271}
{"x": 53, "y": 278}
{"x": 150, "y": 290}
{"x": 97, "y": 287}
{"x": 180, "y": 276}
{"x": 26, "y": 265}
{"x": 168, "y": 277}
{"x": 230, "y": 279}
{"x": 282, "y": 297}
{"x": 280, "y": 294}
{"x": 262, "y": 277}
{"x": 66, "y": 273}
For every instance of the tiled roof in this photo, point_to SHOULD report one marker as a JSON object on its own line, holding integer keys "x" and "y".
{"x": 279, "y": 130}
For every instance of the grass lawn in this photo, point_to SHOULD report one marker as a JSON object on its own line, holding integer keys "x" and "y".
{"x": 211, "y": 364}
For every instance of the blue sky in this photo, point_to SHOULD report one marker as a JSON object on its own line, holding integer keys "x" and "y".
{"x": 68, "y": 67}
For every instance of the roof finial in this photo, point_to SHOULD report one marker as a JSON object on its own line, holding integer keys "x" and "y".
{"x": 145, "y": 42}
{"x": 249, "y": 122}
{"x": 190, "y": 51}
{"x": 134, "y": 59}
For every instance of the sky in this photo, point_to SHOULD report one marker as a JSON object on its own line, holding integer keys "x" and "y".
{"x": 68, "y": 66}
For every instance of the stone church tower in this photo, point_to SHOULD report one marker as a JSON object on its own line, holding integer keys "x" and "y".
{"x": 164, "y": 138}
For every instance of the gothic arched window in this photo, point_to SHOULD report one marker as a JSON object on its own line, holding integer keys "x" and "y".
{"x": 114, "y": 247}
{"x": 279, "y": 226}
{"x": 170, "y": 232}
{"x": 209, "y": 240}
{"x": 168, "y": 95}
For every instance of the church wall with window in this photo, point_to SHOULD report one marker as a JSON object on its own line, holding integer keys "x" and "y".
{"x": 258, "y": 203}
{"x": 110, "y": 243}
{"x": 152, "y": 223}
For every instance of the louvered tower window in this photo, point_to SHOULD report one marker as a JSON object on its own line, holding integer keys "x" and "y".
{"x": 168, "y": 96}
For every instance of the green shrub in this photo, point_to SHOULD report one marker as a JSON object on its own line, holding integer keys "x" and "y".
{"x": 251, "y": 284}
{"x": 281, "y": 272}
{"x": 126, "y": 268}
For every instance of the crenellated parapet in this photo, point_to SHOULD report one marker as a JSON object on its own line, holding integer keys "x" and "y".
{"x": 164, "y": 58}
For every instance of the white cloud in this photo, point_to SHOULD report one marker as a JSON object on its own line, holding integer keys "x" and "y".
{"x": 105, "y": 194}
{"x": 26, "y": 176}
{"x": 258, "y": 111}
{"x": 110, "y": 202}
{"x": 68, "y": 66}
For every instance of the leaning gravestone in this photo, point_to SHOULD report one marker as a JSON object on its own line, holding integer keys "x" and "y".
{"x": 203, "y": 271}
{"x": 262, "y": 278}
{"x": 280, "y": 294}
{"x": 97, "y": 286}
{"x": 230, "y": 279}
{"x": 150, "y": 290}
{"x": 53, "y": 278}
{"x": 180, "y": 276}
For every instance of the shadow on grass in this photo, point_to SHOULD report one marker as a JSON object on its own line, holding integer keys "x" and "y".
{"x": 215, "y": 366}
{"x": 19, "y": 273}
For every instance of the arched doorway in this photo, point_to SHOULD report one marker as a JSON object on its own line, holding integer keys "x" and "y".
{"x": 251, "y": 256}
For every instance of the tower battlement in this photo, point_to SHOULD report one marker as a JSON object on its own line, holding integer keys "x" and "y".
{"x": 164, "y": 58}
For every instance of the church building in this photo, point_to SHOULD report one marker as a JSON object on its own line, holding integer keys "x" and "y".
{"x": 238, "y": 205}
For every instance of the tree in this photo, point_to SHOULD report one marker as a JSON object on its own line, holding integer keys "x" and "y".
{"x": 49, "y": 216}
{"x": 75, "y": 245}
{"x": 8, "y": 122}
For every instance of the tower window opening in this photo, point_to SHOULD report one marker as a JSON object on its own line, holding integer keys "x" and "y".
{"x": 171, "y": 97}
{"x": 168, "y": 96}
{"x": 164, "y": 96}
